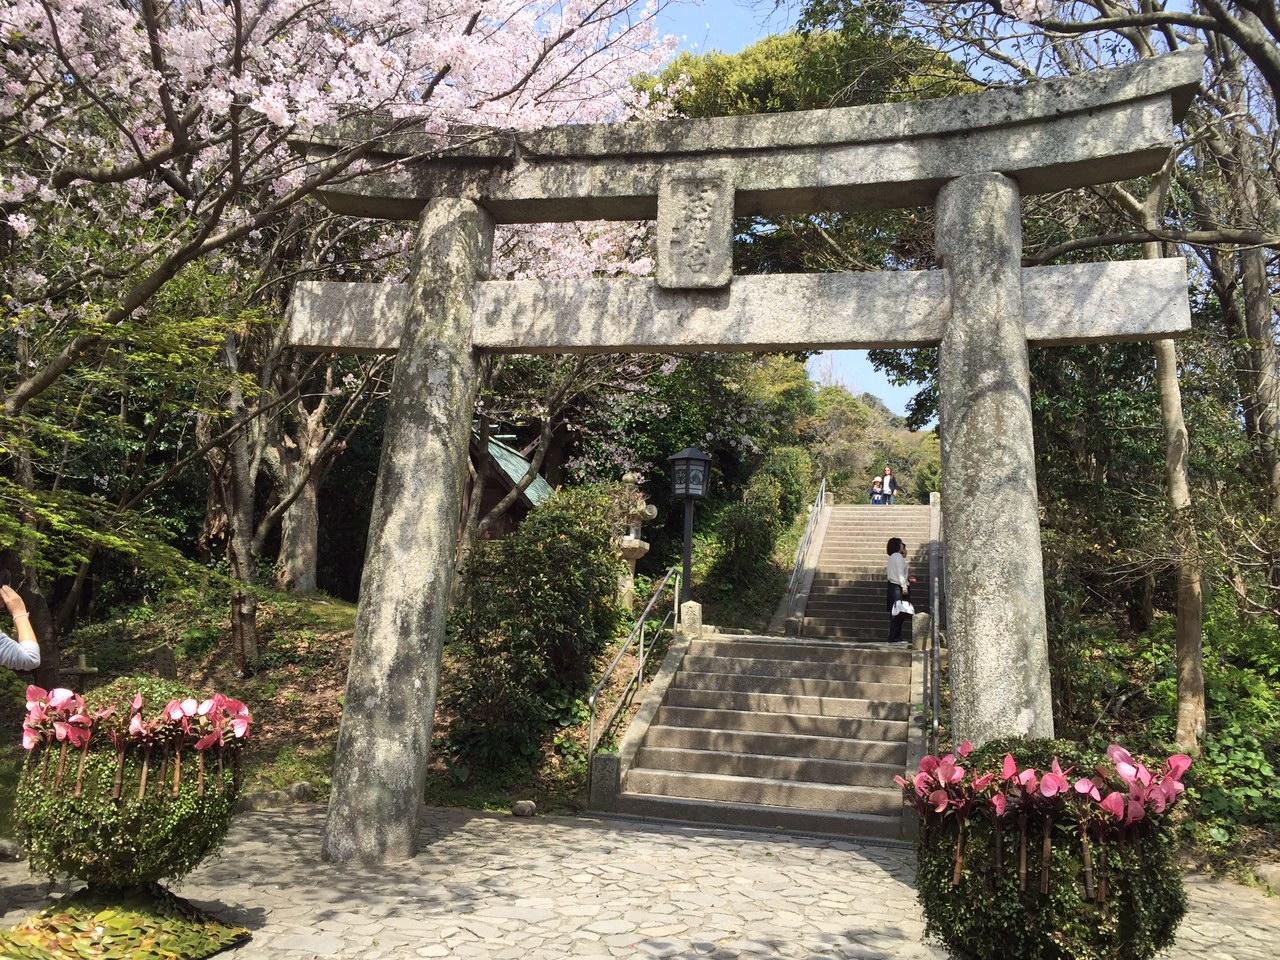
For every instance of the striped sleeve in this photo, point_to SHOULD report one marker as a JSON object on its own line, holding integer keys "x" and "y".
{"x": 18, "y": 656}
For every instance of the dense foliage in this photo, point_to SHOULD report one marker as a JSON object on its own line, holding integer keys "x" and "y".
{"x": 981, "y": 903}
{"x": 72, "y": 824}
{"x": 535, "y": 611}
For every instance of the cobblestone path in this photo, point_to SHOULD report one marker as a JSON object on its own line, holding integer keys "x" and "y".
{"x": 496, "y": 887}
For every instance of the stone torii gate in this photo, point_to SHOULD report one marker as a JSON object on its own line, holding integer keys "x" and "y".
{"x": 972, "y": 157}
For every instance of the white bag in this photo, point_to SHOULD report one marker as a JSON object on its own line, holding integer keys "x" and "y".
{"x": 902, "y": 606}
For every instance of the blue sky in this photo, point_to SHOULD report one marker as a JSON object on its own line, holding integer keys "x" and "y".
{"x": 728, "y": 26}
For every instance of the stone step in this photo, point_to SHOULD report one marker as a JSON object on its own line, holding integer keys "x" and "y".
{"x": 890, "y": 729}
{"x": 758, "y": 667}
{"x": 906, "y": 509}
{"x": 844, "y": 630}
{"x": 768, "y": 791}
{"x": 879, "y": 525}
{"x": 835, "y": 607}
{"x": 760, "y": 817}
{"x": 867, "y": 557}
{"x": 790, "y": 686}
{"x": 780, "y": 649}
{"x": 696, "y": 737}
{"x": 766, "y": 766}
{"x": 838, "y": 580}
{"x": 783, "y": 703}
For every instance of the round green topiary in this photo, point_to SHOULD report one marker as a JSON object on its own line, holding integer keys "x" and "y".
{"x": 142, "y": 836}
{"x": 990, "y": 914}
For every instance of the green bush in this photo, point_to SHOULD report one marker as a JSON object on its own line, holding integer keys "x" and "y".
{"x": 988, "y": 915}
{"x": 131, "y": 841}
{"x": 1125, "y": 688}
{"x": 748, "y": 532}
{"x": 792, "y": 469}
{"x": 535, "y": 611}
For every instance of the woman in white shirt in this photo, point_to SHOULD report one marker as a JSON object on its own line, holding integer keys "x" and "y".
{"x": 899, "y": 585}
{"x": 23, "y": 653}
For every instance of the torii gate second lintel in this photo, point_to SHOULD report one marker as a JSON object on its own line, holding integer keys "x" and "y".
{"x": 972, "y": 156}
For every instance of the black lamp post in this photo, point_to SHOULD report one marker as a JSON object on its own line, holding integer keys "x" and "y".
{"x": 690, "y": 475}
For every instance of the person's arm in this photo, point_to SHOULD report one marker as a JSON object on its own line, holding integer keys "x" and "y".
{"x": 24, "y": 653}
{"x": 897, "y": 571}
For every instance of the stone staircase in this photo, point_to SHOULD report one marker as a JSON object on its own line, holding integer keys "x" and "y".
{"x": 847, "y": 598}
{"x": 768, "y": 732}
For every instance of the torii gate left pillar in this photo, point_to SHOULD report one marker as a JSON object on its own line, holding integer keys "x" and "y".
{"x": 383, "y": 743}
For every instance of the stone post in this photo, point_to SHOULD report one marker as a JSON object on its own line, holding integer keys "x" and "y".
{"x": 691, "y": 618}
{"x": 404, "y": 592}
{"x": 994, "y": 571}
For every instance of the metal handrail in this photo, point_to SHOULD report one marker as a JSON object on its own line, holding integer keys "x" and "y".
{"x": 637, "y": 678}
{"x": 935, "y": 643}
{"x": 797, "y": 566}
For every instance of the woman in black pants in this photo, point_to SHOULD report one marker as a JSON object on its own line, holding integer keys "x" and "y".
{"x": 899, "y": 585}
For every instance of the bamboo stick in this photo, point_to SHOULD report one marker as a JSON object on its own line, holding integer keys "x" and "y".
{"x": 1022, "y": 852}
{"x": 200, "y": 773}
{"x": 998, "y": 835}
{"x": 1086, "y": 854}
{"x": 177, "y": 770}
{"x": 62, "y": 762}
{"x": 84, "y": 755}
{"x": 1046, "y": 855}
{"x": 117, "y": 784}
{"x": 142, "y": 781}
{"x": 959, "y": 860}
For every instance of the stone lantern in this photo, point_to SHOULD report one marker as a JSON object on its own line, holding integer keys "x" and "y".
{"x": 638, "y": 512}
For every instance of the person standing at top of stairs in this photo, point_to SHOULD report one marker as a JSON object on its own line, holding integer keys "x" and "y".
{"x": 888, "y": 486}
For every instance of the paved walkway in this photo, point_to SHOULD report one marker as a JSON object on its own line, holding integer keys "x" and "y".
{"x": 496, "y": 887}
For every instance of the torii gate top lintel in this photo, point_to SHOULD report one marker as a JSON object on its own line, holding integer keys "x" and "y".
{"x": 1067, "y": 132}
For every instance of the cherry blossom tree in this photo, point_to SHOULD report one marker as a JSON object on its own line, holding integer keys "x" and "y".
{"x": 142, "y": 139}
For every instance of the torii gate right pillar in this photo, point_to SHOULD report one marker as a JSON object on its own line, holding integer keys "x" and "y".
{"x": 995, "y": 578}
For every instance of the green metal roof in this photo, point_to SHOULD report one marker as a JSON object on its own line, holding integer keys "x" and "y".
{"x": 514, "y": 467}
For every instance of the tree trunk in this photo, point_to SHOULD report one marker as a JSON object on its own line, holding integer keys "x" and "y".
{"x": 1189, "y": 650}
{"x": 1261, "y": 329}
{"x": 238, "y": 494}
{"x": 300, "y": 540}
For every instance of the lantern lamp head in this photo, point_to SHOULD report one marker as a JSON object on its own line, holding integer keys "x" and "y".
{"x": 690, "y": 473}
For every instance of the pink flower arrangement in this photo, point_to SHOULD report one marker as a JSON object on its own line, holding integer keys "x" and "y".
{"x": 943, "y": 787}
{"x": 60, "y": 717}
{"x": 1106, "y": 804}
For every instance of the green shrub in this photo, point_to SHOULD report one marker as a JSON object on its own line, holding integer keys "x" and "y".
{"x": 130, "y": 841}
{"x": 535, "y": 611}
{"x": 748, "y": 532}
{"x": 987, "y": 914}
{"x": 792, "y": 469}
{"x": 1125, "y": 688}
